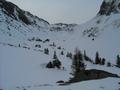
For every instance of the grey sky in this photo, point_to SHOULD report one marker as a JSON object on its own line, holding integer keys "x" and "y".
{"x": 66, "y": 11}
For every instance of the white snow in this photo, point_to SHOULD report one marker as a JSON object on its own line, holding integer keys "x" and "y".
{"x": 22, "y": 65}
{"x": 21, "y": 68}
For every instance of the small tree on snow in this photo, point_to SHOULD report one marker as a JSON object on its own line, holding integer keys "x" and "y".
{"x": 62, "y": 53}
{"x": 50, "y": 65}
{"x": 56, "y": 61}
{"x": 103, "y": 61}
{"x": 118, "y": 60}
{"x": 97, "y": 59}
{"x": 69, "y": 54}
{"x": 108, "y": 64}
{"x": 46, "y": 51}
{"x": 54, "y": 55}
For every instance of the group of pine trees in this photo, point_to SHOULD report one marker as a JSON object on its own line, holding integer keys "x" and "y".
{"x": 78, "y": 59}
{"x": 102, "y": 61}
{"x": 55, "y": 63}
{"x": 99, "y": 60}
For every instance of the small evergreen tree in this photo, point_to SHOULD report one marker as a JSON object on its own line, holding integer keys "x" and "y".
{"x": 97, "y": 58}
{"x": 19, "y": 45}
{"x": 46, "y": 51}
{"x": 69, "y": 54}
{"x": 62, "y": 53}
{"x": 54, "y": 55}
{"x": 108, "y": 64}
{"x": 50, "y": 65}
{"x": 56, "y": 61}
{"x": 59, "y": 48}
{"x": 103, "y": 61}
{"x": 118, "y": 60}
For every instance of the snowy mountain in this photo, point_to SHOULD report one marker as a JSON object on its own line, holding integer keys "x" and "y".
{"x": 108, "y": 16}
{"x": 28, "y": 43}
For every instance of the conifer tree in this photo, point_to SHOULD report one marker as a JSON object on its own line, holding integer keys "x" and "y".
{"x": 46, "y": 51}
{"x": 56, "y": 61}
{"x": 103, "y": 61}
{"x": 55, "y": 56}
{"x": 77, "y": 62}
{"x": 62, "y": 53}
{"x": 108, "y": 64}
{"x": 69, "y": 54}
{"x": 97, "y": 58}
{"x": 118, "y": 60}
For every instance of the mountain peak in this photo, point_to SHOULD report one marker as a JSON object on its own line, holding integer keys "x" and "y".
{"x": 110, "y": 6}
{"x": 13, "y": 11}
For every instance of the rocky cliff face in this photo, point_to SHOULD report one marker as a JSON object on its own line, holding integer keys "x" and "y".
{"x": 13, "y": 11}
{"x": 109, "y": 6}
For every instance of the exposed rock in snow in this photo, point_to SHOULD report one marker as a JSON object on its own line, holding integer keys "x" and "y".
{"x": 110, "y": 6}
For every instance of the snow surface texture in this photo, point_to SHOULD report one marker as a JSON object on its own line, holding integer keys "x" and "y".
{"x": 22, "y": 63}
{"x": 24, "y": 69}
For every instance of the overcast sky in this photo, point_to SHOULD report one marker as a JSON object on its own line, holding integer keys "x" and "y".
{"x": 66, "y": 11}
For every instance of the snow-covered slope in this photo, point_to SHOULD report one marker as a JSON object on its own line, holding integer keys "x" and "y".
{"x": 22, "y": 69}
{"x": 24, "y": 37}
{"x": 103, "y": 30}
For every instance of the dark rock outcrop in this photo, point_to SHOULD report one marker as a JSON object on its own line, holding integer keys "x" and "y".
{"x": 108, "y": 7}
{"x": 13, "y": 11}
